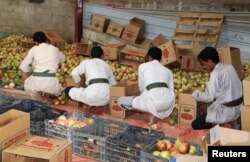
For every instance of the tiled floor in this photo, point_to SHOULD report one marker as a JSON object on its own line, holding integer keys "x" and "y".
{"x": 140, "y": 119}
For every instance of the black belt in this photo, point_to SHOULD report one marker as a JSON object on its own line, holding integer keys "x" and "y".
{"x": 44, "y": 74}
{"x": 234, "y": 103}
{"x": 98, "y": 80}
{"x": 156, "y": 85}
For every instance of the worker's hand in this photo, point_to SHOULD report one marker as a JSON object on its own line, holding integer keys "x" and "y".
{"x": 195, "y": 93}
{"x": 78, "y": 84}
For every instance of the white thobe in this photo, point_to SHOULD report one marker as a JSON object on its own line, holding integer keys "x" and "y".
{"x": 224, "y": 86}
{"x": 158, "y": 101}
{"x": 42, "y": 57}
{"x": 97, "y": 94}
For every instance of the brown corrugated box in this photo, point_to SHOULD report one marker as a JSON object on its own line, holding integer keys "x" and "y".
{"x": 39, "y": 149}
{"x": 27, "y": 43}
{"x": 231, "y": 56}
{"x": 169, "y": 53}
{"x": 111, "y": 51}
{"x": 224, "y": 136}
{"x": 159, "y": 40}
{"x": 189, "y": 108}
{"x": 83, "y": 49}
{"x": 245, "y": 120}
{"x": 99, "y": 23}
{"x": 246, "y": 91}
{"x": 14, "y": 125}
{"x": 21, "y": 94}
{"x": 132, "y": 57}
{"x": 134, "y": 32}
{"x": 122, "y": 89}
{"x": 55, "y": 39}
{"x": 115, "y": 29}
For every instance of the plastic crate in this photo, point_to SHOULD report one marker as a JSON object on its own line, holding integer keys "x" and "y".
{"x": 147, "y": 156}
{"x": 38, "y": 113}
{"x": 63, "y": 132}
{"x": 91, "y": 141}
{"x": 6, "y": 102}
{"x": 127, "y": 146}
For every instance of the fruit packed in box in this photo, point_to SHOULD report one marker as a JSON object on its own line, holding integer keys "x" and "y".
{"x": 90, "y": 142}
{"x": 167, "y": 148}
{"x": 127, "y": 146}
{"x": 64, "y": 125}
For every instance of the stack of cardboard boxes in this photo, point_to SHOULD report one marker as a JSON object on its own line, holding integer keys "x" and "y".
{"x": 17, "y": 145}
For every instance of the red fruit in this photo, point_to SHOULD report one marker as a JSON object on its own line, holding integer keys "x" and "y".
{"x": 172, "y": 149}
{"x": 161, "y": 145}
{"x": 184, "y": 148}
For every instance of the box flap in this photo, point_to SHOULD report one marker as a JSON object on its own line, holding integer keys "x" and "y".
{"x": 37, "y": 147}
{"x": 136, "y": 52}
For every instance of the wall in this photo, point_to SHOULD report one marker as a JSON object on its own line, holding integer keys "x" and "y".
{"x": 23, "y": 17}
{"x": 235, "y": 30}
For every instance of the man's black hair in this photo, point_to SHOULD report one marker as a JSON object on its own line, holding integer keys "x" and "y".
{"x": 155, "y": 53}
{"x": 209, "y": 53}
{"x": 96, "y": 52}
{"x": 39, "y": 37}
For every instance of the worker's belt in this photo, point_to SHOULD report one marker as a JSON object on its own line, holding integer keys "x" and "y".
{"x": 44, "y": 74}
{"x": 234, "y": 103}
{"x": 98, "y": 80}
{"x": 156, "y": 85}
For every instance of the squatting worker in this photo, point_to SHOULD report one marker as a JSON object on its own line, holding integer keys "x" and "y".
{"x": 156, "y": 87}
{"x": 224, "y": 90}
{"x": 99, "y": 77}
{"x": 44, "y": 59}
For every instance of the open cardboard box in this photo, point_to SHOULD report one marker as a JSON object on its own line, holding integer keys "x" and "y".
{"x": 39, "y": 149}
{"x": 14, "y": 125}
{"x": 189, "y": 108}
{"x": 219, "y": 136}
{"x": 111, "y": 51}
{"x": 123, "y": 89}
{"x": 169, "y": 53}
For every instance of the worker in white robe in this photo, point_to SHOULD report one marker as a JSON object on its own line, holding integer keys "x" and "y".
{"x": 99, "y": 77}
{"x": 224, "y": 90}
{"x": 42, "y": 60}
{"x": 156, "y": 87}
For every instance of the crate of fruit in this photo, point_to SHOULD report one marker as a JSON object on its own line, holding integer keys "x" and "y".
{"x": 127, "y": 146}
{"x": 167, "y": 148}
{"x": 63, "y": 126}
{"x": 6, "y": 102}
{"x": 91, "y": 141}
{"x": 38, "y": 113}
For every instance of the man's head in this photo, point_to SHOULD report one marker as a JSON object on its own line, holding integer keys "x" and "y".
{"x": 39, "y": 37}
{"x": 208, "y": 58}
{"x": 155, "y": 53}
{"x": 96, "y": 52}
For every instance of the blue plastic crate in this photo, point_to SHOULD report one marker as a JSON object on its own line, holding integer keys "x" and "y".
{"x": 91, "y": 141}
{"x": 55, "y": 130}
{"x": 127, "y": 146}
{"x": 147, "y": 156}
{"x": 6, "y": 102}
{"x": 39, "y": 112}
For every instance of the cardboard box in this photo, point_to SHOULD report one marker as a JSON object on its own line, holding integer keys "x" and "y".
{"x": 27, "y": 43}
{"x": 131, "y": 34}
{"x": 169, "y": 53}
{"x": 132, "y": 57}
{"x": 191, "y": 63}
{"x": 123, "y": 89}
{"x": 245, "y": 120}
{"x": 189, "y": 108}
{"x": 139, "y": 23}
{"x": 224, "y": 136}
{"x": 83, "y": 49}
{"x": 55, "y": 40}
{"x": 246, "y": 91}
{"x": 191, "y": 158}
{"x": 14, "y": 125}
{"x": 21, "y": 94}
{"x": 159, "y": 40}
{"x": 111, "y": 51}
{"x": 231, "y": 56}
{"x": 99, "y": 23}
{"x": 115, "y": 29}
{"x": 71, "y": 82}
{"x": 39, "y": 149}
